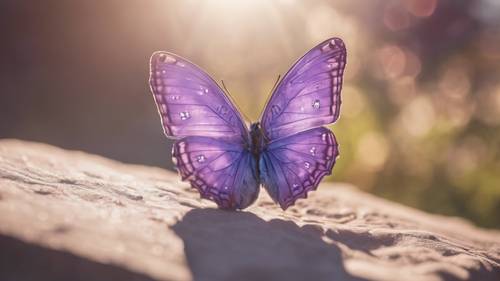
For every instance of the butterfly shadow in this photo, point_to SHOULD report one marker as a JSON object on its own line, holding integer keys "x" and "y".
{"x": 223, "y": 245}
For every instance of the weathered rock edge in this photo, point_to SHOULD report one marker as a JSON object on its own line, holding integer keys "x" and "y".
{"x": 67, "y": 215}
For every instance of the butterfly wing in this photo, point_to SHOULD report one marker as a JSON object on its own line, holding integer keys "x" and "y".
{"x": 221, "y": 171}
{"x": 294, "y": 165}
{"x": 209, "y": 131}
{"x": 190, "y": 103}
{"x": 309, "y": 94}
{"x": 295, "y": 157}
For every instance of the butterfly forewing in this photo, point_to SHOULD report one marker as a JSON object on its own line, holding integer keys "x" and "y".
{"x": 190, "y": 102}
{"x": 309, "y": 94}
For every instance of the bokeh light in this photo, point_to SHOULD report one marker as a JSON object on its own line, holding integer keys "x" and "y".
{"x": 420, "y": 120}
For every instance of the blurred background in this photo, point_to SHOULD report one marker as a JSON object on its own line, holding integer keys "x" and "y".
{"x": 421, "y": 100}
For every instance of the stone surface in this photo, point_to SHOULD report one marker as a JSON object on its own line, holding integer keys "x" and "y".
{"x": 67, "y": 215}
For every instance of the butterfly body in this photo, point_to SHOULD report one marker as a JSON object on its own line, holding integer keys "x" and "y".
{"x": 287, "y": 150}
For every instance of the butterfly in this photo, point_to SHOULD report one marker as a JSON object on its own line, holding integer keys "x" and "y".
{"x": 288, "y": 151}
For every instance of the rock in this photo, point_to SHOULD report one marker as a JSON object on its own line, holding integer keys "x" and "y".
{"x": 67, "y": 215}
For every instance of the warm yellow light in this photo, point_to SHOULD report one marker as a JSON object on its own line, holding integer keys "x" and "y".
{"x": 231, "y": 8}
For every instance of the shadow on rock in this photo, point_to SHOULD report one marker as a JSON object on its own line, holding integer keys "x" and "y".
{"x": 222, "y": 245}
{"x": 20, "y": 260}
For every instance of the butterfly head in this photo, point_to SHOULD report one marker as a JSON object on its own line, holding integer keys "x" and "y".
{"x": 256, "y": 138}
{"x": 254, "y": 128}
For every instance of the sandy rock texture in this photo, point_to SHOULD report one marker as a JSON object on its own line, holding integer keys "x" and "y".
{"x": 67, "y": 215}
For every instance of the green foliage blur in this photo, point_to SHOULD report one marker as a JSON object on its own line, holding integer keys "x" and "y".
{"x": 421, "y": 99}
{"x": 422, "y": 108}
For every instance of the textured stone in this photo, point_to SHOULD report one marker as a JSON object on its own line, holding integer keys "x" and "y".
{"x": 67, "y": 215}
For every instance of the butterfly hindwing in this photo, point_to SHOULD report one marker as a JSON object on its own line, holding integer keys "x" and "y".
{"x": 309, "y": 94}
{"x": 294, "y": 165}
{"x": 221, "y": 171}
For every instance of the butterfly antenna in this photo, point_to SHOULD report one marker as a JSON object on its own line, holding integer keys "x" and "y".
{"x": 269, "y": 96}
{"x": 224, "y": 85}
{"x": 275, "y": 83}
{"x": 245, "y": 118}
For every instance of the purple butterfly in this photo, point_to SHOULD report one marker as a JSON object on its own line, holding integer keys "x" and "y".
{"x": 288, "y": 151}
